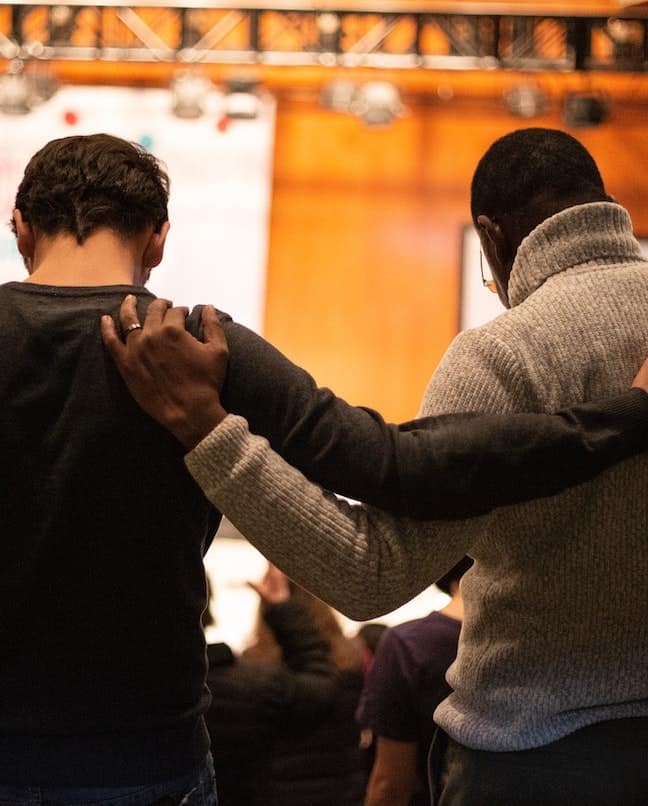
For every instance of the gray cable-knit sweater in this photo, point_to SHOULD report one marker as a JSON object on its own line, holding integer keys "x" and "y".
{"x": 555, "y": 635}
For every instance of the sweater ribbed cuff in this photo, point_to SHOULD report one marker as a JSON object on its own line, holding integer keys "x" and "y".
{"x": 213, "y": 457}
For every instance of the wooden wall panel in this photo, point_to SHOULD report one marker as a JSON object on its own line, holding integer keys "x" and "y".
{"x": 359, "y": 284}
{"x": 365, "y": 245}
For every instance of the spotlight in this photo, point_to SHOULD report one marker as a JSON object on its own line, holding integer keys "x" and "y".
{"x": 241, "y": 100}
{"x": 377, "y": 103}
{"x": 329, "y": 29}
{"x": 585, "y": 110}
{"x": 627, "y": 37}
{"x": 338, "y": 95}
{"x": 189, "y": 91}
{"x": 15, "y": 90}
{"x": 525, "y": 101}
{"x": 43, "y": 82}
{"x": 61, "y": 23}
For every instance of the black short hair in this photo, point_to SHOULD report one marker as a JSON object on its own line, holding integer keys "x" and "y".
{"x": 530, "y": 174}
{"x": 454, "y": 575}
{"x": 78, "y": 185}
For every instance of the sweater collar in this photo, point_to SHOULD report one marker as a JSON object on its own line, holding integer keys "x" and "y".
{"x": 601, "y": 231}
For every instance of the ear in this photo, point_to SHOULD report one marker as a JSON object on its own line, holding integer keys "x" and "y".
{"x": 154, "y": 249}
{"x": 493, "y": 241}
{"x": 499, "y": 253}
{"x": 25, "y": 239}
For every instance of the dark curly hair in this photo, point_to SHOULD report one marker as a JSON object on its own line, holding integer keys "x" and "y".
{"x": 531, "y": 174}
{"x": 78, "y": 185}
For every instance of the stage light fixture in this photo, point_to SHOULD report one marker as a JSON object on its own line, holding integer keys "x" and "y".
{"x": 15, "y": 90}
{"x": 377, "y": 103}
{"x": 189, "y": 91}
{"x": 241, "y": 100}
{"x": 338, "y": 95}
{"x": 329, "y": 29}
{"x": 525, "y": 101}
{"x": 585, "y": 109}
{"x": 62, "y": 20}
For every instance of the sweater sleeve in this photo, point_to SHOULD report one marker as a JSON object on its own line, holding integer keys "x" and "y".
{"x": 361, "y": 560}
{"x": 456, "y": 466}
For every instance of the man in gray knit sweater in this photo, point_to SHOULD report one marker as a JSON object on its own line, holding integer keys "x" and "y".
{"x": 550, "y": 686}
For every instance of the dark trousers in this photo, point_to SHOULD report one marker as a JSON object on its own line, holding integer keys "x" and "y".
{"x": 601, "y": 765}
{"x": 195, "y": 789}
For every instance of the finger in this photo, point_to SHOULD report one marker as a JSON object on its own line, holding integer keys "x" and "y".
{"x": 155, "y": 313}
{"x": 212, "y": 328}
{"x": 113, "y": 343}
{"x": 128, "y": 313}
{"x": 176, "y": 317}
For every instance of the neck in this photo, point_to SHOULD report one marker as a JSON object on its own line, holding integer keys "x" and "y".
{"x": 103, "y": 259}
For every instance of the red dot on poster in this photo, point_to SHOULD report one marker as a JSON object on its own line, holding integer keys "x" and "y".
{"x": 223, "y": 123}
{"x": 71, "y": 118}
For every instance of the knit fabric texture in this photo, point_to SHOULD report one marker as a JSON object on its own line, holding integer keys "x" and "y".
{"x": 554, "y": 636}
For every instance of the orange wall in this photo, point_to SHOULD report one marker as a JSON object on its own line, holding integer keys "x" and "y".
{"x": 365, "y": 243}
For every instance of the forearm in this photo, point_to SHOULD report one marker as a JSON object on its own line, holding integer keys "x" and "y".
{"x": 484, "y": 461}
{"x": 393, "y": 779}
{"x": 455, "y": 466}
{"x": 362, "y": 561}
{"x": 386, "y": 793}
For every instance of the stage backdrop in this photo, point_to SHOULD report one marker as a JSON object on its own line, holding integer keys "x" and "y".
{"x": 220, "y": 187}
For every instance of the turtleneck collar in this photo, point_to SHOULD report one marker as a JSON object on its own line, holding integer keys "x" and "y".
{"x": 601, "y": 231}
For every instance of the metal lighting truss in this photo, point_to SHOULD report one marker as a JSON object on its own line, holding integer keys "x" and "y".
{"x": 299, "y": 33}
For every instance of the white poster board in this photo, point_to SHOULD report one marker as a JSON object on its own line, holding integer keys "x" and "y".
{"x": 478, "y": 305}
{"x": 221, "y": 179}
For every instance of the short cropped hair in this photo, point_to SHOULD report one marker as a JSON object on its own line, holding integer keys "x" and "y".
{"x": 78, "y": 185}
{"x": 530, "y": 174}
{"x": 454, "y": 575}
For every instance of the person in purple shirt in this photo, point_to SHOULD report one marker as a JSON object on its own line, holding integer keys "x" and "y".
{"x": 405, "y": 685}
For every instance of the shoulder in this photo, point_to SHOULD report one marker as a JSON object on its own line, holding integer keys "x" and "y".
{"x": 413, "y": 634}
{"x": 484, "y": 369}
{"x": 490, "y": 342}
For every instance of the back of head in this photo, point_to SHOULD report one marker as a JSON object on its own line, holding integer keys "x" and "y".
{"x": 81, "y": 184}
{"x": 531, "y": 174}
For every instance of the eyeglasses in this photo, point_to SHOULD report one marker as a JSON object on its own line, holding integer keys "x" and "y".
{"x": 487, "y": 282}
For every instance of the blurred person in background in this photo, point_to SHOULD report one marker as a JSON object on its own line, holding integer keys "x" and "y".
{"x": 369, "y": 635}
{"x": 281, "y": 717}
{"x": 405, "y": 685}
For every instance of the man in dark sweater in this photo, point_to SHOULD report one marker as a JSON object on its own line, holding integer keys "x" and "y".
{"x": 103, "y": 529}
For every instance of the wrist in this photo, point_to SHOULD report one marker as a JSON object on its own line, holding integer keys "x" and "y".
{"x": 191, "y": 428}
